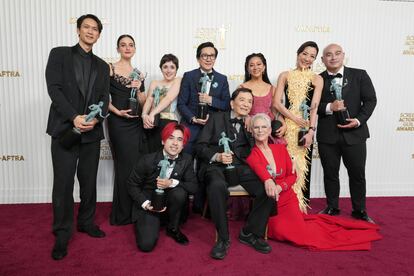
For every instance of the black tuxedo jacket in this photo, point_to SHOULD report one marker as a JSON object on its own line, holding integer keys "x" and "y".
{"x": 68, "y": 98}
{"x": 207, "y": 143}
{"x": 143, "y": 179}
{"x": 360, "y": 99}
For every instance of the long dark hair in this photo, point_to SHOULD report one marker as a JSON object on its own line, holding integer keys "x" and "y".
{"x": 247, "y": 75}
{"x": 308, "y": 44}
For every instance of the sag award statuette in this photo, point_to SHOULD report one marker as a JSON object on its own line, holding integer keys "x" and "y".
{"x": 205, "y": 82}
{"x": 133, "y": 102}
{"x": 343, "y": 114}
{"x": 230, "y": 172}
{"x": 274, "y": 174}
{"x": 305, "y": 115}
{"x": 159, "y": 198}
{"x": 73, "y": 135}
{"x": 156, "y": 94}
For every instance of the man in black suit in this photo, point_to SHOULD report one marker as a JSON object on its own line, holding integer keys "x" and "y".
{"x": 346, "y": 140}
{"x": 212, "y": 170}
{"x": 180, "y": 180}
{"x": 76, "y": 79}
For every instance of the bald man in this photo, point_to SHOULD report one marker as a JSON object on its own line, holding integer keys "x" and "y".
{"x": 350, "y": 89}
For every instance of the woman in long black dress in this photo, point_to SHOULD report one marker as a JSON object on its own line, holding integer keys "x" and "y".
{"x": 125, "y": 130}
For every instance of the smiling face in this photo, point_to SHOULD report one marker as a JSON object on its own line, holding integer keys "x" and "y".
{"x": 88, "y": 32}
{"x": 169, "y": 70}
{"x": 242, "y": 104}
{"x": 306, "y": 58}
{"x": 333, "y": 58}
{"x": 261, "y": 130}
{"x": 256, "y": 67}
{"x": 126, "y": 48}
{"x": 207, "y": 59}
{"x": 174, "y": 144}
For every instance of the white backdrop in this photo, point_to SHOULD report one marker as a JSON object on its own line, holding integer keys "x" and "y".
{"x": 376, "y": 35}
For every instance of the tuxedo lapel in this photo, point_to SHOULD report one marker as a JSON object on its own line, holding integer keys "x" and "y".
{"x": 346, "y": 82}
{"x": 178, "y": 167}
{"x": 77, "y": 70}
{"x": 92, "y": 78}
{"x": 327, "y": 87}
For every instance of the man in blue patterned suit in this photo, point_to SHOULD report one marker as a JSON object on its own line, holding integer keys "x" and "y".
{"x": 217, "y": 99}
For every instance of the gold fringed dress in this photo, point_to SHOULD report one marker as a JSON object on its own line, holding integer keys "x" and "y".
{"x": 299, "y": 88}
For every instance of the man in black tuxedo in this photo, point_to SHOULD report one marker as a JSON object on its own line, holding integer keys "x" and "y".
{"x": 213, "y": 165}
{"x": 76, "y": 79}
{"x": 180, "y": 181}
{"x": 348, "y": 141}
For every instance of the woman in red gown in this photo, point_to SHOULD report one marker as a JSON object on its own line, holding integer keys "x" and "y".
{"x": 272, "y": 164}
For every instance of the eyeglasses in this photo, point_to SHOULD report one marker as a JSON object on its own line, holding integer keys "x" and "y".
{"x": 206, "y": 57}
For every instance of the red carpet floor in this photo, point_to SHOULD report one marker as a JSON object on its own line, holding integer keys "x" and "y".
{"x": 26, "y": 241}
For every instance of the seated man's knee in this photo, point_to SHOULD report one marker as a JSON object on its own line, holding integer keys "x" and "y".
{"x": 177, "y": 195}
{"x": 146, "y": 245}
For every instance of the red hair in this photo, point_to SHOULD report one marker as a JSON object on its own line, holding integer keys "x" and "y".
{"x": 169, "y": 129}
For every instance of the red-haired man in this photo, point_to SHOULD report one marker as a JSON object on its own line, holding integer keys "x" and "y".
{"x": 180, "y": 181}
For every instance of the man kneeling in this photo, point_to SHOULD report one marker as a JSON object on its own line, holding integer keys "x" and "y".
{"x": 179, "y": 181}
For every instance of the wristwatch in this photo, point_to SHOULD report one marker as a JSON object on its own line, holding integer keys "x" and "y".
{"x": 313, "y": 128}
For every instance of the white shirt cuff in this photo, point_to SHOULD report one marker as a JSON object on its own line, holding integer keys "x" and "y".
{"x": 144, "y": 205}
{"x": 328, "y": 109}
{"x": 359, "y": 123}
{"x": 175, "y": 182}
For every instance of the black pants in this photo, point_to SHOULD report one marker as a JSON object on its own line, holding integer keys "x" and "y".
{"x": 354, "y": 157}
{"x": 82, "y": 159}
{"x": 218, "y": 194}
{"x": 147, "y": 224}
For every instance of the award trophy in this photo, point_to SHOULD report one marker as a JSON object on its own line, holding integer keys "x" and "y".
{"x": 305, "y": 115}
{"x": 205, "y": 82}
{"x": 133, "y": 102}
{"x": 343, "y": 114}
{"x": 273, "y": 174}
{"x": 73, "y": 135}
{"x": 232, "y": 177}
{"x": 156, "y": 94}
{"x": 159, "y": 198}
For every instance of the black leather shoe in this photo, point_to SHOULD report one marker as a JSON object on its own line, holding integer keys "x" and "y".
{"x": 330, "y": 211}
{"x": 254, "y": 241}
{"x": 92, "y": 230}
{"x": 362, "y": 215}
{"x": 60, "y": 249}
{"x": 177, "y": 236}
{"x": 219, "y": 250}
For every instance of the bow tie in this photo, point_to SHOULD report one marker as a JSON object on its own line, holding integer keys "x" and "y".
{"x": 208, "y": 74}
{"x": 338, "y": 75}
{"x": 236, "y": 121}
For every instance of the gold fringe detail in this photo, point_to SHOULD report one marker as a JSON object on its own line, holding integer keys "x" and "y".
{"x": 299, "y": 83}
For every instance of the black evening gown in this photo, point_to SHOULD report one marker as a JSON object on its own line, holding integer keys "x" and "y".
{"x": 126, "y": 137}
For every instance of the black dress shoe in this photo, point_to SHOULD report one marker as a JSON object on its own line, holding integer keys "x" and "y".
{"x": 254, "y": 241}
{"x": 60, "y": 249}
{"x": 92, "y": 230}
{"x": 219, "y": 250}
{"x": 330, "y": 211}
{"x": 362, "y": 215}
{"x": 177, "y": 236}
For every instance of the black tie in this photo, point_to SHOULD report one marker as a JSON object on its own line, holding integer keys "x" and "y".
{"x": 338, "y": 75}
{"x": 236, "y": 121}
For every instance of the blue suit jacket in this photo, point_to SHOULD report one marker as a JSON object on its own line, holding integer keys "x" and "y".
{"x": 187, "y": 102}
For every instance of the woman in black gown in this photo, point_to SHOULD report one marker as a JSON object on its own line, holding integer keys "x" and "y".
{"x": 125, "y": 131}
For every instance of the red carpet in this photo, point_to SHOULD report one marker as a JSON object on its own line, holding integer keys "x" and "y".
{"x": 26, "y": 242}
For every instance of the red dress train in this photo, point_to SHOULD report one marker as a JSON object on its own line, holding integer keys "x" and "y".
{"x": 316, "y": 232}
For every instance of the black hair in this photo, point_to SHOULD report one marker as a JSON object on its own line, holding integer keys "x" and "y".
{"x": 205, "y": 45}
{"x": 169, "y": 57}
{"x": 247, "y": 75}
{"x": 240, "y": 90}
{"x": 91, "y": 16}
{"x": 308, "y": 44}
